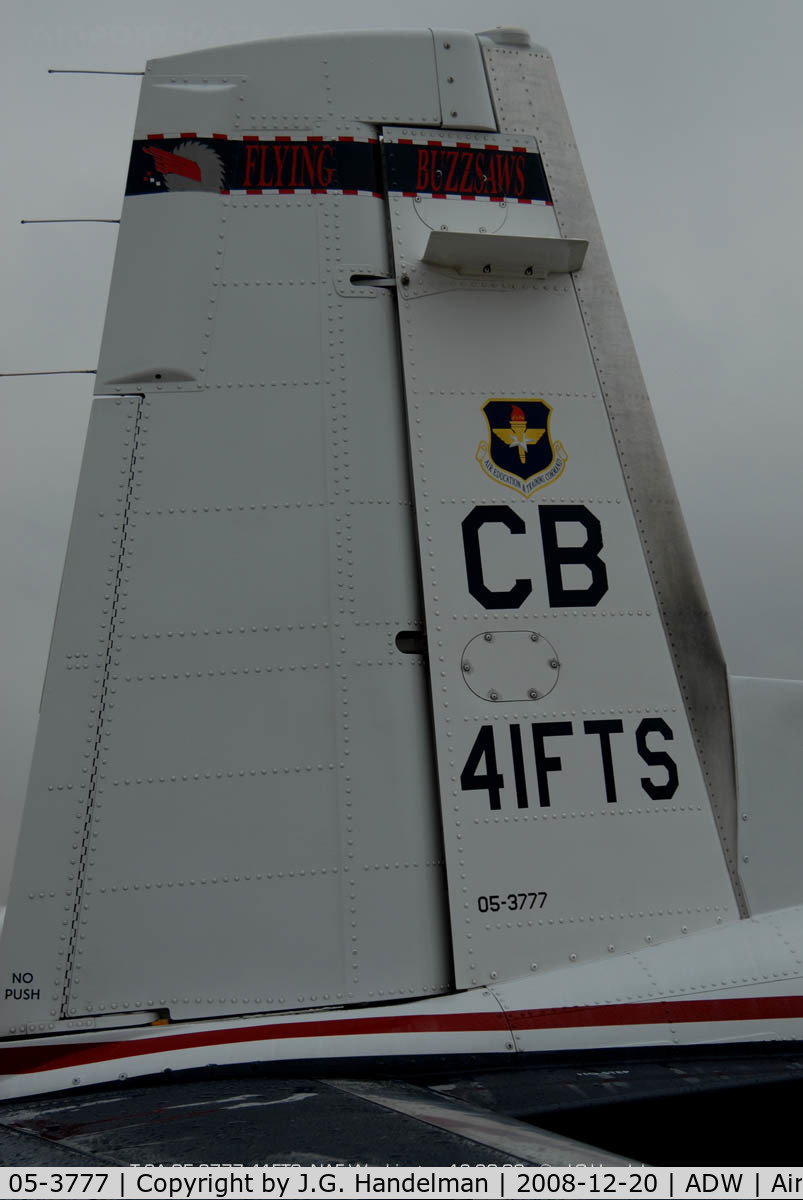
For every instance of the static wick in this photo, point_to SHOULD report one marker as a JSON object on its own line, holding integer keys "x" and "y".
{"x": 82, "y": 71}
{"x": 19, "y": 374}
{"x": 71, "y": 221}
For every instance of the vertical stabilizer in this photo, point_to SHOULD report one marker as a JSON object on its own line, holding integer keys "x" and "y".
{"x": 381, "y": 665}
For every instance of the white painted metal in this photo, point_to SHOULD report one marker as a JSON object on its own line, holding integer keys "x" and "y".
{"x": 301, "y": 83}
{"x": 233, "y": 805}
{"x": 461, "y": 1023}
{"x": 749, "y": 973}
{"x": 41, "y": 907}
{"x": 738, "y": 982}
{"x": 498, "y": 254}
{"x": 517, "y": 664}
{"x": 256, "y": 826}
{"x": 527, "y": 98}
{"x": 465, "y": 103}
{"x": 167, "y": 287}
{"x": 767, "y": 724}
{"x": 298, "y": 83}
{"x": 605, "y": 872}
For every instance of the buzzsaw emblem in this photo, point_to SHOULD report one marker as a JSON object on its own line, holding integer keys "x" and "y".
{"x": 188, "y": 167}
{"x": 520, "y": 453}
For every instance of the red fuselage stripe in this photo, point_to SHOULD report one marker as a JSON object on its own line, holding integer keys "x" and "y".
{"x": 20, "y": 1059}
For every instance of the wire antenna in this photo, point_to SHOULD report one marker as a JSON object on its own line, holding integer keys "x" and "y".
{"x": 19, "y": 374}
{"x": 82, "y": 71}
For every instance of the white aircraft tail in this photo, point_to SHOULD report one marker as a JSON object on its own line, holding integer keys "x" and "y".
{"x": 382, "y": 667}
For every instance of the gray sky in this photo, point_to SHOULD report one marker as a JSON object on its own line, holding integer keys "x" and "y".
{"x": 688, "y": 117}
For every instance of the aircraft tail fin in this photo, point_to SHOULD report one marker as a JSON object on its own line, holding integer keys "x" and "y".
{"x": 381, "y": 666}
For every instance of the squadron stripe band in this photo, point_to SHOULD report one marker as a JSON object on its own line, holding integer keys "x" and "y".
{"x": 24, "y": 1059}
{"x": 342, "y": 165}
{"x": 470, "y": 172}
{"x": 249, "y": 164}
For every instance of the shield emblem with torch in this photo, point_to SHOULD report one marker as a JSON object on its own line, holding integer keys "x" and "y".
{"x": 520, "y": 453}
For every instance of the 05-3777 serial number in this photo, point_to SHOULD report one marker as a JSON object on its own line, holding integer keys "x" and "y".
{"x": 512, "y": 902}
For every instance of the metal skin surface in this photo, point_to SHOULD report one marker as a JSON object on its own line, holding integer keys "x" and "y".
{"x": 527, "y": 97}
{"x": 384, "y": 718}
{"x": 730, "y": 984}
{"x": 261, "y": 829}
{"x": 604, "y": 865}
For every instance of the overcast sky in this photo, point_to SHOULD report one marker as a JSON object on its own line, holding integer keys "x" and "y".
{"x": 688, "y": 119}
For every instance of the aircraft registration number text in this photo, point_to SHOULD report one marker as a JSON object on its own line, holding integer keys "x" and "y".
{"x": 512, "y": 902}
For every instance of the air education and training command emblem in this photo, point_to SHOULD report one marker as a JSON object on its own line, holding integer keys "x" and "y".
{"x": 520, "y": 453}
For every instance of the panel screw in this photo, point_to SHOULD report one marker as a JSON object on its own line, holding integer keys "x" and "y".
{"x": 417, "y": 200}
{"x": 533, "y": 966}
{"x": 450, "y": 78}
{"x": 493, "y": 974}
{"x": 466, "y": 667}
{"x": 554, "y": 664}
{"x": 489, "y": 637}
{"x": 493, "y": 695}
{"x": 533, "y": 694}
{"x": 486, "y": 270}
{"x": 405, "y": 279}
{"x": 453, "y": 112}
{"x": 483, "y": 230}
{"x": 447, "y": 45}
{"x": 533, "y": 637}
{"x": 444, "y": 227}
